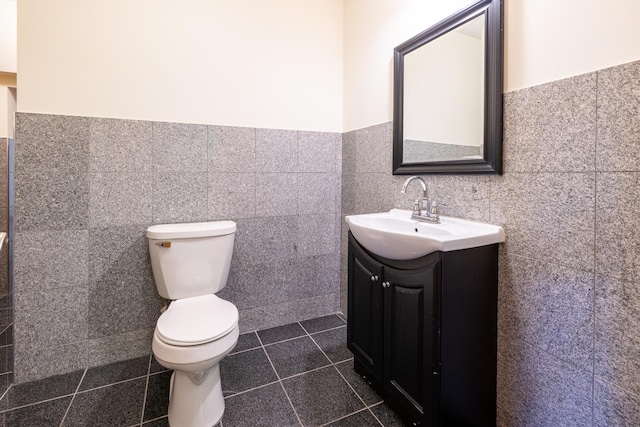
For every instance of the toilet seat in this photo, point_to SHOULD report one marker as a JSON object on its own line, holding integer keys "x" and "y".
{"x": 197, "y": 320}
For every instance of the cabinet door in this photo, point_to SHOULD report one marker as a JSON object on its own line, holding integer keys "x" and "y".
{"x": 364, "y": 320}
{"x": 411, "y": 349}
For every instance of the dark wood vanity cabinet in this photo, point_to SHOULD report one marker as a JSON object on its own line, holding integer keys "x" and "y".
{"x": 423, "y": 333}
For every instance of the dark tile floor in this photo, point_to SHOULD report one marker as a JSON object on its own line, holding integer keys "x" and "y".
{"x": 292, "y": 375}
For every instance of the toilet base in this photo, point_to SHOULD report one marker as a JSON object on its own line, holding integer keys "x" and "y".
{"x": 192, "y": 405}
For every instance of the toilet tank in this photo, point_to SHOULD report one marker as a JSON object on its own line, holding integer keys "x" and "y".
{"x": 190, "y": 260}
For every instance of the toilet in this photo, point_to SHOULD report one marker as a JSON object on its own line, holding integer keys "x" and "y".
{"x": 190, "y": 264}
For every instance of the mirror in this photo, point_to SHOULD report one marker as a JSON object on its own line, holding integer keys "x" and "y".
{"x": 447, "y": 115}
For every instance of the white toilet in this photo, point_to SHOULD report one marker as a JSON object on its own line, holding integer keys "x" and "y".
{"x": 190, "y": 264}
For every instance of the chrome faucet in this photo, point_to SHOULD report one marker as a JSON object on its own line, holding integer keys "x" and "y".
{"x": 423, "y": 209}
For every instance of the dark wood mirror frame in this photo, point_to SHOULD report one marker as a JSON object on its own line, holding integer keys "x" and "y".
{"x": 493, "y": 82}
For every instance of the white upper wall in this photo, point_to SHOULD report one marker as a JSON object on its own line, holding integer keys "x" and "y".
{"x": 310, "y": 65}
{"x": 545, "y": 40}
{"x": 372, "y": 28}
{"x": 272, "y": 64}
{"x": 8, "y": 34}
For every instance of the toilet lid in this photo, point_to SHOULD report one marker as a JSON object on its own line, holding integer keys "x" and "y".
{"x": 197, "y": 320}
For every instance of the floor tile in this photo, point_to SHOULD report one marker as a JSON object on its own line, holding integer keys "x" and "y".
{"x": 246, "y": 370}
{"x": 44, "y": 414}
{"x": 281, "y": 333}
{"x": 157, "y": 403}
{"x": 322, "y": 323}
{"x": 387, "y": 416}
{"x": 160, "y": 422}
{"x": 361, "y": 387}
{"x": 115, "y": 372}
{"x": 155, "y": 366}
{"x": 6, "y": 337}
{"x": 36, "y": 391}
{"x": 321, "y": 396}
{"x": 334, "y": 344}
{"x": 363, "y": 418}
{"x": 267, "y": 406}
{"x": 296, "y": 356}
{"x": 246, "y": 342}
{"x": 115, "y": 405}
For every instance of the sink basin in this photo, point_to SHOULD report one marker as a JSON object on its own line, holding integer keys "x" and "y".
{"x": 395, "y": 235}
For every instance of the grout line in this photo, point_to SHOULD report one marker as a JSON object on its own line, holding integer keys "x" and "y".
{"x": 156, "y": 419}
{"x": 6, "y": 391}
{"x": 36, "y": 403}
{"x": 303, "y": 328}
{"x": 351, "y": 387}
{"x": 146, "y": 388}
{"x": 327, "y": 330}
{"x": 64, "y": 417}
{"x": 333, "y": 364}
{"x": 251, "y": 389}
{"x": 280, "y": 381}
{"x": 372, "y": 413}
{"x": 115, "y": 383}
{"x": 307, "y": 372}
{"x": 345, "y": 416}
{"x": 286, "y": 340}
{"x": 320, "y": 348}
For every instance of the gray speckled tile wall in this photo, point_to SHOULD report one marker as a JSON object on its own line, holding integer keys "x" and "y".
{"x": 617, "y": 338}
{"x": 117, "y": 306}
{"x": 180, "y": 197}
{"x": 36, "y": 270}
{"x": 549, "y": 306}
{"x": 618, "y": 147}
{"x": 51, "y": 200}
{"x": 114, "y": 348}
{"x": 276, "y": 194}
{"x": 318, "y": 151}
{"x": 548, "y": 216}
{"x": 462, "y": 196}
{"x": 552, "y": 127}
{"x": 617, "y": 225}
{"x": 614, "y": 406}
{"x": 276, "y": 150}
{"x": 316, "y": 193}
{"x": 116, "y": 177}
{"x": 349, "y": 152}
{"x": 540, "y": 390}
{"x": 61, "y": 317}
{"x": 117, "y": 145}
{"x": 373, "y": 149}
{"x": 36, "y": 363}
{"x": 192, "y": 140}
{"x": 118, "y": 253}
{"x": 51, "y": 143}
{"x": 231, "y": 149}
{"x": 232, "y": 195}
{"x": 120, "y": 200}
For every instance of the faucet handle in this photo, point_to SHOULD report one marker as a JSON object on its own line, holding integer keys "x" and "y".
{"x": 416, "y": 207}
{"x": 434, "y": 208}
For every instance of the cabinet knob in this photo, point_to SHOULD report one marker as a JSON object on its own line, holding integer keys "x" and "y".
{"x": 386, "y": 284}
{"x": 374, "y": 278}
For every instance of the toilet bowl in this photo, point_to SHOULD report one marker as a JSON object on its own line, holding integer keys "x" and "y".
{"x": 190, "y": 263}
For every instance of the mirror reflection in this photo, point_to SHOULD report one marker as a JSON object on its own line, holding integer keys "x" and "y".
{"x": 443, "y": 104}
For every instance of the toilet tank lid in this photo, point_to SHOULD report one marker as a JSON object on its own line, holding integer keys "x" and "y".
{"x": 190, "y": 230}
